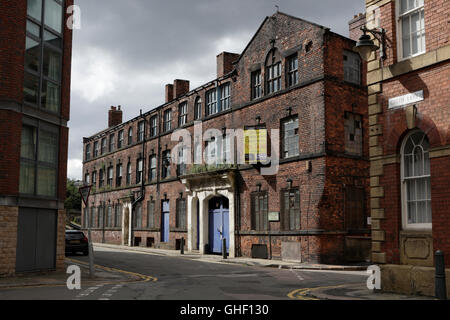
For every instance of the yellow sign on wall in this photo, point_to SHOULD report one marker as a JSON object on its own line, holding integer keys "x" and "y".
{"x": 255, "y": 144}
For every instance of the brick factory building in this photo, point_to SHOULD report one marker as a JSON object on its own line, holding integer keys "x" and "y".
{"x": 35, "y": 64}
{"x": 409, "y": 116}
{"x": 295, "y": 80}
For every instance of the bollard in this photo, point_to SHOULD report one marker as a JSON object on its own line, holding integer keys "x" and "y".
{"x": 441, "y": 290}
{"x": 224, "y": 248}
{"x": 182, "y": 246}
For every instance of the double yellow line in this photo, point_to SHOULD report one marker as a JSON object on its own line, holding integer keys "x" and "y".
{"x": 301, "y": 294}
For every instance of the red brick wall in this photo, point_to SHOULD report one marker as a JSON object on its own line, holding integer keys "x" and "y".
{"x": 320, "y": 106}
{"x": 10, "y": 132}
{"x": 63, "y": 150}
{"x": 12, "y": 47}
{"x": 440, "y": 186}
{"x": 434, "y": 114}
{"x": 392, "y": 204}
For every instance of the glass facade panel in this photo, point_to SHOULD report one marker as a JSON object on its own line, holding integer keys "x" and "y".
{"x": 52, "y": 39}
{"x": 27, "y": 178}
{"x": 53, "y": 15}
{"x": 52, "y": 64}
{"x": 28, "y": 143}
{"x": 48, "y": 147}
{"x": 34, "y": 9}
{"x": 50, "y": 96}
{"x": 33, "y": 28}
{"x": 31, "y": 88}
{"x": 46, "y": 182}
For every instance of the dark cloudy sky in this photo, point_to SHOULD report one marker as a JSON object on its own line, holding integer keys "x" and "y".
{"x": 127, "y": 50}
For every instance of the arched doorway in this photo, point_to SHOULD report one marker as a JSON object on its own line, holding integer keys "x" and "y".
{"x": 219, "y": 226}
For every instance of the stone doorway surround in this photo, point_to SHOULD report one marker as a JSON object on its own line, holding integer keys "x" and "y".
{"x": 200, "y": 188}
{"x": 126, "y": 220}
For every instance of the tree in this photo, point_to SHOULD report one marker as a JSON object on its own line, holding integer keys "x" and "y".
{"x": 73, "y": 197}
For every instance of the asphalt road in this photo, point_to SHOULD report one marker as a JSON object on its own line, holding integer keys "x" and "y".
{"x": 180, "y": 278}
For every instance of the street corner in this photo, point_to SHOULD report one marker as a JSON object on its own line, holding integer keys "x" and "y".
{"x": 107, "y": 275}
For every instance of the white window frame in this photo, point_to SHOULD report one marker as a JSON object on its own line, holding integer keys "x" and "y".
{"x": 225, "y": 96}
{"x": 404, "y": 196}
{"x": 399, "y": 17}
{"x": 182, "y": 114}
{"x": 167, "y": 121}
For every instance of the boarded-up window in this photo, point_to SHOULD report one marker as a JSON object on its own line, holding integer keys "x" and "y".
{"x": 110, "y": 218}
{"x": 101, "y": 211}
{"x": 290, "y": 209}
{"x": 118, "y": 215}
{"x": 181, "y": 214}
{"x": 150, "y": 214}
{"x": 352, "y": 67}
{"x": 93, "y": 220}
{"x": 137, "y": 221}
{"x": 259, "y": 211}
{"x": 353, "y": 134}
{"x": 354, "y": 208}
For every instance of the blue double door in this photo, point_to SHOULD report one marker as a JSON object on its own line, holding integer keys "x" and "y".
{"x": 219, "y": 226}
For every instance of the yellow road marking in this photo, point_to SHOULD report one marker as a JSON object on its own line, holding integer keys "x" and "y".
{"x": 145, "y": 278}
{"x": 301, "y": 294}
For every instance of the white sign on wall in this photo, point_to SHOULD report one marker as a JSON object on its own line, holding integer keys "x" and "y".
{"x": 406, "y": 99}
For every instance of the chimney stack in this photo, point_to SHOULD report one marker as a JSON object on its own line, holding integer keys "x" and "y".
{"x": 355, "y": 25}
{"x": 169, "y": 92}
{"x": 180, "y": 87}
{"x": 114, "y": 116}
{"x": 225, "y": 63}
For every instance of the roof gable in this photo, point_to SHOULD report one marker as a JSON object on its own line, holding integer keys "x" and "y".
{"x": 267, "y": 20}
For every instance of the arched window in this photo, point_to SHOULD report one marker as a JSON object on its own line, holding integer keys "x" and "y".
{"x": 273, "y": 71}
{"x": 128, "y": 174}
{"x": 415, "y": 176}
{"x": 130, "y": 136}
{"x": 198, "y": 109}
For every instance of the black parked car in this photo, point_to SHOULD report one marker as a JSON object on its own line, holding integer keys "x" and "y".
{"x": 76, "y": 241}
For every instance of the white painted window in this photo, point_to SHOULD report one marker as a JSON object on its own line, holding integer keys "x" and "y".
{"x": 411, "y": 28}
{"x": 225, "y": 98}
{"x": 211, "y": 102}
{"x": 182, "y": 114}
{"x": 415, "y": 179}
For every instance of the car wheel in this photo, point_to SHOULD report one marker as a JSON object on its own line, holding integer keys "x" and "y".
{"x": 85, "y": 253}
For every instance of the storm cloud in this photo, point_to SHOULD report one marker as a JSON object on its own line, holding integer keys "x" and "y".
{"x": 127, "y": 50}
